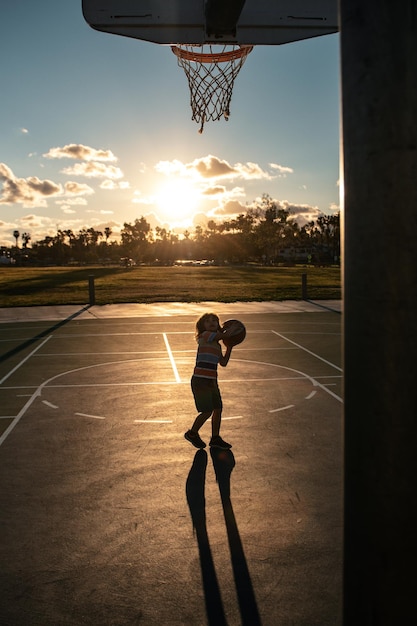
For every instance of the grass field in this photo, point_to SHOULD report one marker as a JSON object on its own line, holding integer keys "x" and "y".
{"x": 21, "y": 286}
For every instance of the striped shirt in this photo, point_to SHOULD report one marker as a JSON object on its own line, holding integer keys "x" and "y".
{"x": 209, "y": 353}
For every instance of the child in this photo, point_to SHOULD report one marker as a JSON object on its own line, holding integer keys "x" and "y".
{"x": 204, "y": 384}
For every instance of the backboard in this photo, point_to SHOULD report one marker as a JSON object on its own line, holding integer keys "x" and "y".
{"x": 198, "y": 22}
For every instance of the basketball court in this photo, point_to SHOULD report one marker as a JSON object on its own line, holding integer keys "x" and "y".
{"x": 100, "y": 492}
{"x": 110, "y": 517}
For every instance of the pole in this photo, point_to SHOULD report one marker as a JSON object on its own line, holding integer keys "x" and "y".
{"x": 304, "y": 286}
{"x": 91, "y": 290}
{"x": 379, "y": 125}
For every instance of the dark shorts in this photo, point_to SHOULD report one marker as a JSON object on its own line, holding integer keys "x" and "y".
{"x": 206, "y": 394}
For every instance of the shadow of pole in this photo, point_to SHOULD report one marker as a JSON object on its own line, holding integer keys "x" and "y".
{"x": 44, "y": 333}
{"x": 224, "y": 462}
{"x": 195, "y": 491}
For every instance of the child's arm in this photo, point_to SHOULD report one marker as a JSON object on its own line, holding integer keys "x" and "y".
{"x": 226, "y": 356}
{"x": 224, "y": 359}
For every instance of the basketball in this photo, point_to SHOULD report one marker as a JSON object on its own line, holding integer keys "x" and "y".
{"x": 238, "y": 334}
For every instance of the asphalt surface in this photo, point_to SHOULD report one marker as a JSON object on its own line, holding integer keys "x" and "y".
{"x": 108, "y": 516}
{"x": 169, "y": 309}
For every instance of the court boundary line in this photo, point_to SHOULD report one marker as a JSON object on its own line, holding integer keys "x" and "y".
{"x": 38, "y": 391}
{"x": 307, "y": 350}
{"x": 20, "y": 415}
{"x": 171, "y": 358}
{"x": 29, "y": 342}
{"x": 12, "y": 371}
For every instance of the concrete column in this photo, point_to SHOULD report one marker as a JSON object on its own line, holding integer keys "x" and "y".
{"x": 379, "y": 127}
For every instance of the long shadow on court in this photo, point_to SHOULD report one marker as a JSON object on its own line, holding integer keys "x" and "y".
{"x": 44, "y": 333}
{"x": 223, "y": 462}
{"x": 48, "y": 280}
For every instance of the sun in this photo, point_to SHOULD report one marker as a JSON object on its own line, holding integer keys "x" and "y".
{"x": 177, "y": 200}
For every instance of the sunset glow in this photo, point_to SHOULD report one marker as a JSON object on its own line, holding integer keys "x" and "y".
{"x": 111, "y": 138}
{"x": 177, "y": 200}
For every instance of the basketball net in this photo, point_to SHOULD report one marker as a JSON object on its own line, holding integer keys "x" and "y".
{"x": 211, "y": 75}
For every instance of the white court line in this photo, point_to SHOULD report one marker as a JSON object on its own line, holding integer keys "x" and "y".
{"x": 306, "y": 350}
{"x": 310, "y": 395}
{"x": 151, "y": 383}
{"x": 20, "y": 415}
{"x": 233, "y": 417}
{"x": 52, "y": 406}
{"x": 171, "y": 358}
{"x": 97, "y": 353}
{"x": 96, "y": 417}
{"x": 282, "y": 408}
{"x": 23, "y": 410}
{"x": 48, "y": 383}
{"x": 152, "y": 421}
{"x": 24, "y": 360}
{"x": 313, "y": 380}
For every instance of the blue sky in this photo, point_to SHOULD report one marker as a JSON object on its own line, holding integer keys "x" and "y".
{"x": 96, "y": 130}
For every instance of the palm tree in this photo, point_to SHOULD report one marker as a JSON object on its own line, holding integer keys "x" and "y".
{"x": 26, "y": 238}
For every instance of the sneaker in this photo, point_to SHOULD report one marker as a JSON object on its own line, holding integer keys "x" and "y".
{"x": 195, "y": 439}
{"x": 217, "y": 442}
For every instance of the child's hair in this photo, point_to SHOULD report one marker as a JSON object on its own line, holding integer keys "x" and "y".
{"x": 199, "y": 327}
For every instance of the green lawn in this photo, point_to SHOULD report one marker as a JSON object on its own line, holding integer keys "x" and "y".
{"x": 21, "y": 286}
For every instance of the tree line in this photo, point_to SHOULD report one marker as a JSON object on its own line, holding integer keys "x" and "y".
{"x": 265, "y": 234}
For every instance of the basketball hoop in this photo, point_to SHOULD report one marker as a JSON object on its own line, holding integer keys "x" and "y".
{"x": 211, "y": 75}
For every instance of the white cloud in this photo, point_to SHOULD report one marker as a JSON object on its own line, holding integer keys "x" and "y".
{"x": 230, "y": 208}
{"x": 93, "y": 169}
{"x": 139, "y": 199}
{"x": 75, "y": 201}
{"x": 81, "y": 152}
{"x": 252, "y": 171}
{"x": 78, "y": 189}
{"x": 214, "y": 190}
{"x": 100, "y": 212}
{"x": 111, "y": 185}
{"x": 211, "y": 167}
{"x": 29, "y": 192}
{"x": 282, "y": 170}
{"x": 171, "y": 168}
{"x": 41, "y": 226}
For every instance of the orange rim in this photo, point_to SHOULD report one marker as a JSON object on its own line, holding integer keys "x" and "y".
{"x": 211, "y": 57}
